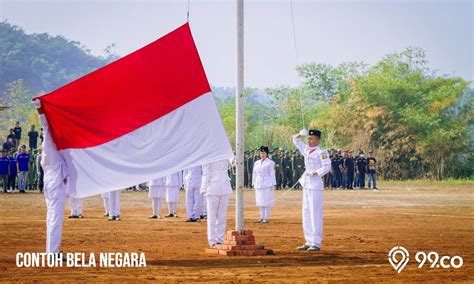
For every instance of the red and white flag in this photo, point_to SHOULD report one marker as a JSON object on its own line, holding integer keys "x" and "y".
{"x": 144, "y": 116}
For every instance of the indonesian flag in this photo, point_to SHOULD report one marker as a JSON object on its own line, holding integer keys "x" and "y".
{"x": 144, "y": 116}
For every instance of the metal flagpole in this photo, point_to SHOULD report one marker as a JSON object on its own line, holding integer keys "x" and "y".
{"x": 239, "y": 118}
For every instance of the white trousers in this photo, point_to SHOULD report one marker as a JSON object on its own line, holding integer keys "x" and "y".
{"x": 204, "y": 205}
{"x": 313, "y": 216}
{"x": 265, "y": 213}
{"x": 216, "y": 218}
{"x": 114, "y": 203}
{"x": 54, "y": 220}
{"x": 75, "y": 204}
{"x": 106, "y": 204}
{"x": 193, "y": 202}
{"x": 172, "y": 207}
{"x": 156, "y": 204}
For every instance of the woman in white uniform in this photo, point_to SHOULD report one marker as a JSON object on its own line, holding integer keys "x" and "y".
{"x": 173, "y": 183}
{"x": 263, "y": 180}
{"x": 156, "y": 194}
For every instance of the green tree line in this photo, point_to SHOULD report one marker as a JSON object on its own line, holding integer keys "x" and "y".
{"x": 417, "y": 123}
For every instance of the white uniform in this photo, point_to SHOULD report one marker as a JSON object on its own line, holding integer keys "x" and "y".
{"x": 173, "y": 183}
{"x": 216, "y": 187}
{"x": 192, "y": 184}
{"x": 55, "y": 173}
{"x": 156, "y": 194}
{"x": 106, "y": 198}
{"x": 75, "y": 204}
{"x": 263, "y": 180}
{"x": 114, "y": 203}
{"x": 317, "y": 161}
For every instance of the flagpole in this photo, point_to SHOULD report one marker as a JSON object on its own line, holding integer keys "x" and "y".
{"x": 239, "y": 118}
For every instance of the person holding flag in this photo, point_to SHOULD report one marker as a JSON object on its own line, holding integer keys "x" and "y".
{"x": 55, "y": 186}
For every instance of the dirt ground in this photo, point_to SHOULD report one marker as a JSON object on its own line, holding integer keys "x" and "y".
{"x": 360, "y": 227}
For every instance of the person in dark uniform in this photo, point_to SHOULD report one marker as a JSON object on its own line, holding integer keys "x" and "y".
{"x": 298, "y": 167}
{"x": 4, "y": 165}
{"x": 249, "y": 167}
{"x": 361, "y": 166}
{"x": 343, "y": 168}
{"x": 17, "y": 132}
{"x": 336, "y": 171}
{"x": 11, "y": 138}
{"x": 349, "y": 165}
{"x": 246, "y": 173}
{"x": 287, "y": 171}
{"x": 13, "y": 170}
{"x": 327, "y": 179}
{"x": 33, "y": 138}
{"x": 277, "y": 159}
{"x": 371, "y": 168}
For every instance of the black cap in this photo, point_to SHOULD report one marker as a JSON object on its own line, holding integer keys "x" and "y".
{"x": 264, "y": 149}
{"x": 315, "y": 132}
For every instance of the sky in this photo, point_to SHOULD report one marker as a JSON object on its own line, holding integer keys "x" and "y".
{"x": 329, "y": 32}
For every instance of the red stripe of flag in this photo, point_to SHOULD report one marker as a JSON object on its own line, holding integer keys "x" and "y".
{"x": 128, "y": 93}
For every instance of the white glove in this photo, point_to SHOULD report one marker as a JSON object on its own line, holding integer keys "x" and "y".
{"x": 304, "y": 132}
{"x": 37, "y": 103}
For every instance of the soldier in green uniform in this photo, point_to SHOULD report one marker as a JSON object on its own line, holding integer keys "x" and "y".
{"x": 298, "y": 166}
{"x": 246, "y": 172}
{"x": 231, "y": 172}
{"x": 287, "y": 170}
{"x": 249, "y": 168}
{"x": 278, "y": 168}
{"x": 31, "y": 179}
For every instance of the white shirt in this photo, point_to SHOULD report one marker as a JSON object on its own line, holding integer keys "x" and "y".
{"x": 215, "y": 178}
{"x": 263, "y": 174}
{"x": 175, "y": 179}
{"x": 192, "y": 177}
{"x": 316, "y": 160}
{"x": 157, "y": 182}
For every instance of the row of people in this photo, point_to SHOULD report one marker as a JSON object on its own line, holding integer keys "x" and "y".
{"x": 347, "y": 171}
{"x": 20, "y": 170}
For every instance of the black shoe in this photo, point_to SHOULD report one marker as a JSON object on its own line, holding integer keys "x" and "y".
{"x": 153, "y": 217}
{"x": 203, "y": 217}
{"x": 73, "y": 217}
{"x": 80, "y": 216}
{"x": 106, "y": 215}
{"x": 112, "y": 218}
{"x": 175, "y": 215}
{"x": 190, "y": 220}
{"x": 169, "y": 215}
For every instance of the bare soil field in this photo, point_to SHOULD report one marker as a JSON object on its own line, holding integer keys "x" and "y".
{"x": 360, "y": 228}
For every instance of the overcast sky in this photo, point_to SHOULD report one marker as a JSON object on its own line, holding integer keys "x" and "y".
{"x": 327, "y": 31}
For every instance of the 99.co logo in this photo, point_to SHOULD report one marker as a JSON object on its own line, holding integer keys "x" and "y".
{"x": 399, "y": 257}
{"x": 437, "y": 262}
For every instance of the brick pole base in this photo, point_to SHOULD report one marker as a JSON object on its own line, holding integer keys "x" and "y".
{"x": 236, "y": 244}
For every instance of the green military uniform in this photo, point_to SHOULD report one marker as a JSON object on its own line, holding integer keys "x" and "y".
{"x": 298, "y": 167}
{"x": 278, "y": 168}
{"x": 31, "y": 179}
{"x": 246, "y": 172}
{"x": 287, "y": 171}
